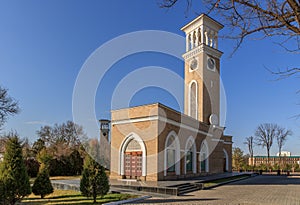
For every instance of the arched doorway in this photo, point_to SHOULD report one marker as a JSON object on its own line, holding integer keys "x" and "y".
{"x": 133, "y": 160}
{"x": 133, "y": 157}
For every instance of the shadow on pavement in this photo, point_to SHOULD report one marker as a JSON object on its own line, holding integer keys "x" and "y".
{"x": 164, "y": 201}
{"x": 269, "y": 180}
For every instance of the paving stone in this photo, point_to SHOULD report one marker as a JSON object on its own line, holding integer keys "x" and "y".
{"x": 260, "y": 190}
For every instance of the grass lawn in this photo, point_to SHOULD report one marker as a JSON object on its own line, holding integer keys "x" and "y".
{"x": 219, "y": 181}
{"x": 72, "y": 197}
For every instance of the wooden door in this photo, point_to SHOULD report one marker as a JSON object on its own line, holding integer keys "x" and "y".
{"x": 133, "y": 164}
{"x": 127, "y": 164}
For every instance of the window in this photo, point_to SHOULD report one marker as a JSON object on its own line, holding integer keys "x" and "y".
{"x": 193, "y": 100}
{"x": 203, "y": 162}
{"x": 170, "y": 160}
{"x": 189, "y": 161}
{"x": 204, "y": 157}
{"x": 133, "y": 145}
{"x": 171, "y": 151}
{"x": 189, "y": 157}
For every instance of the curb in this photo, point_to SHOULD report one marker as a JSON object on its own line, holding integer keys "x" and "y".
{"x": 128, "y": 200}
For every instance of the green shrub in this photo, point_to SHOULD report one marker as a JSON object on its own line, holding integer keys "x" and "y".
{"x": 66, "y": 165}
{"x": 94, "y": 180}
{"x": 76, "y": 163}
{"x": 32, "y": 167}
{"x": 42, "y": 185}
{"x": 13, "y": 175}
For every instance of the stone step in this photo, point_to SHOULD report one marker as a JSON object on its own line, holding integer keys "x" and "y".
{"x": 184, "y": 186}
{"x": 188, "y": 188}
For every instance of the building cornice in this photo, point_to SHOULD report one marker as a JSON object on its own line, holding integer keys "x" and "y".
{"x": 200, "y": 49}
{"x": 162, "y": 119}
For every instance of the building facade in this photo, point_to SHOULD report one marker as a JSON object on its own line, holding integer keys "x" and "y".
{"x": 154, "y": 142}
{"x": 273, "y": 160}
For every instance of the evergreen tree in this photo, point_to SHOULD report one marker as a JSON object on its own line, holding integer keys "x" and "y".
{"x": 2, "y": 197}
{"x": 13, "y": 175}
{"x": 237, "y": 158}
{"x": 76, "y": 162}
{"x": 42, "y": 185}
{"x": 94, "y": 181}
{"x": 44, "y": 158}
{"x": 37, "y": 146}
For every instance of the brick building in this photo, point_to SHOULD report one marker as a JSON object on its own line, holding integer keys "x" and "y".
{"x": 154, "y": 142}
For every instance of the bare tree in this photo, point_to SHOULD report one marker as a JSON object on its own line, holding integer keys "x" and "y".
{"x": 63, "y": 138}
{"x": 265, "y": 18}
{"x": 265, "y": 134}
{"x": 250, "y": 143}
{"x": 8, "y": 106}
{"x": 281, "y": 138}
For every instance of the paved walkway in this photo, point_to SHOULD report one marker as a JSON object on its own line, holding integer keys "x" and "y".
{"x": 260, "y": 190}
{"x": 174, "y": 182}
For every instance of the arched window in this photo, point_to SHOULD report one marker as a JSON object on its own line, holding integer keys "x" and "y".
{"x": 193, "y": 95}
{"x": 225, "y": 162}
{"x": 171, "y": 151}
{"x": 204, "y": 157}
{"x": 190, "y": 156}
{"x": 199, "y": 37}
{"x": 172, "y": 154}
{"x": 133, "y": 145}
{"x": 189, "y": 42}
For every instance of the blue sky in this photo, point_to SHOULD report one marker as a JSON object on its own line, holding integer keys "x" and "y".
{"x": 45, "y": 43}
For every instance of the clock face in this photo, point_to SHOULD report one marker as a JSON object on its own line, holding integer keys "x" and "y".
{"x": 213, "y": 119}
{"x": 104, "y": 126}
{"x": 194, "y": 64}
{"x": 211, "y": 63}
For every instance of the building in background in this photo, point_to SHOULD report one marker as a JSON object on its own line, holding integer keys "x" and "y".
{"x": 285, "y": 159}
{"x": 284, "y": 154}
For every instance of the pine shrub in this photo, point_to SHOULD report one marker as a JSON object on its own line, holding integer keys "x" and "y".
{"x": 94, "y": 181}
{"x": 14, "y": 180}
{"x": 42, "y": 185}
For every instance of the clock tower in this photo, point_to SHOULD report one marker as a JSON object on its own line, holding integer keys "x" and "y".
{"x": 202, "y": 70}
{"x": 104, "y": 143}
{"x": 104, "y": 129}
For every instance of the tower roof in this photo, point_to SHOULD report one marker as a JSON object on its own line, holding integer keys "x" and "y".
{"x": 203, "y": 19}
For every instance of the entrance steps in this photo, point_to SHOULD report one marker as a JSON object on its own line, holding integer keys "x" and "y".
{"x": 187, "y": 188}
{"x": 177, "y": 189}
